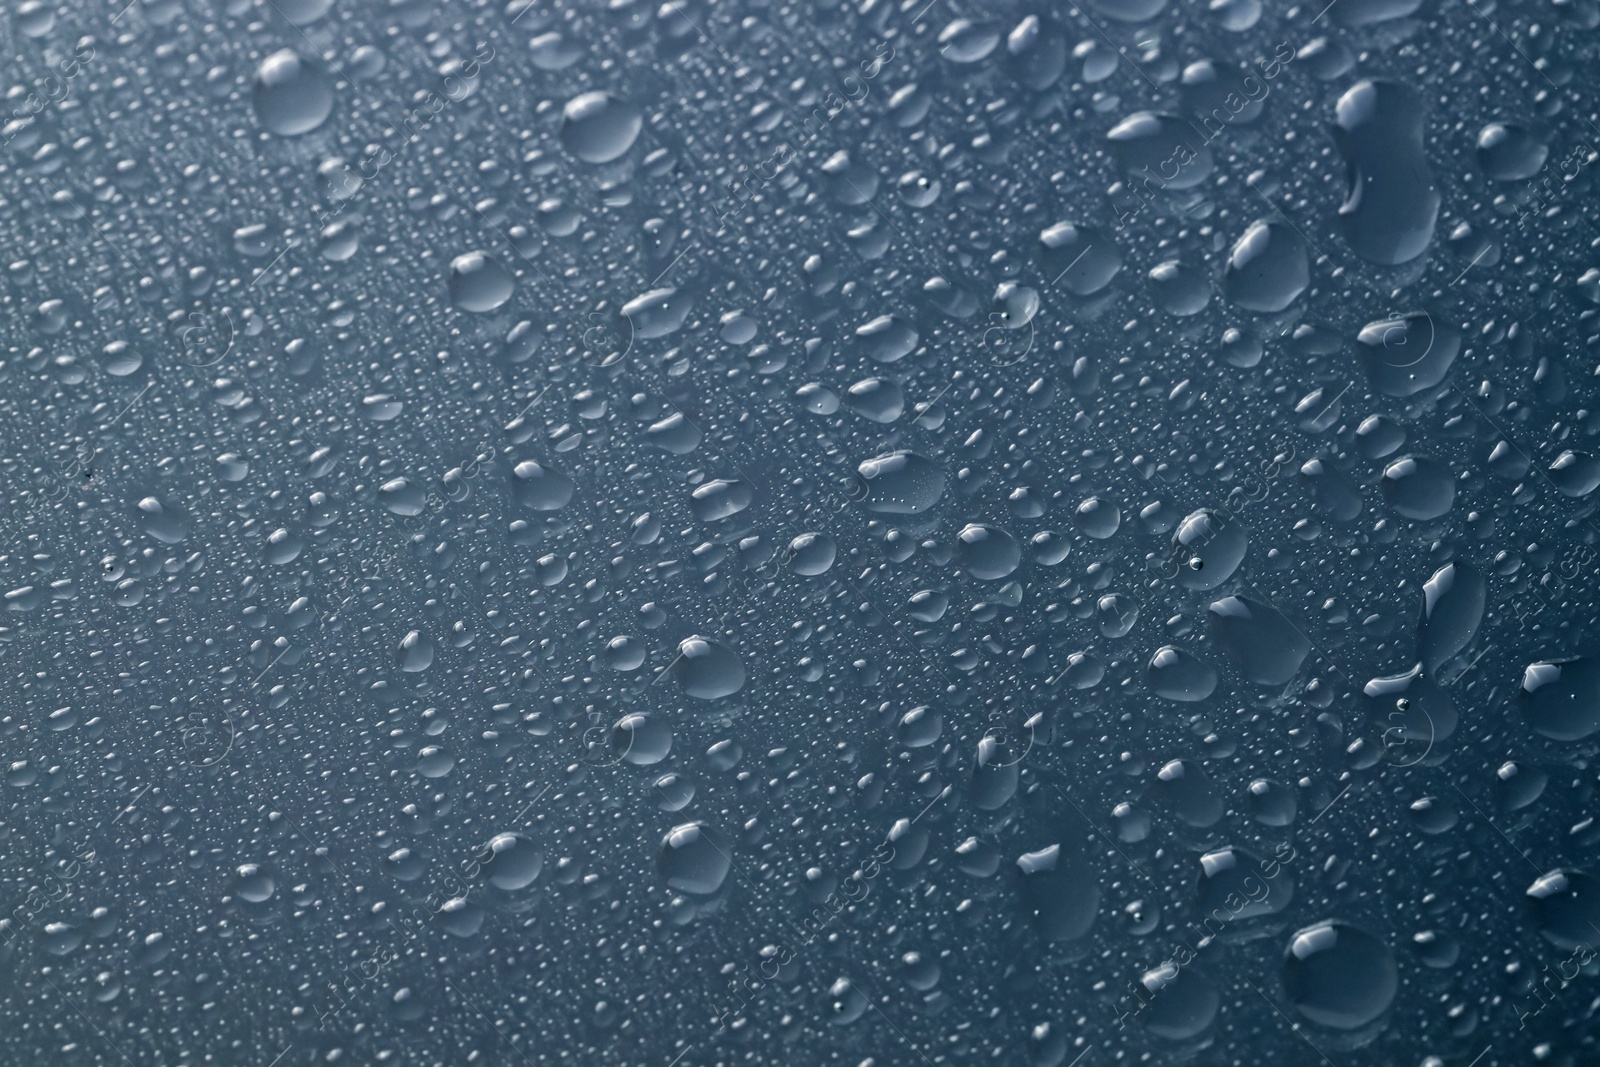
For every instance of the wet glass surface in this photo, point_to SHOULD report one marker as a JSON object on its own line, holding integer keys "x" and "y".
{"x": 849, "y": 532}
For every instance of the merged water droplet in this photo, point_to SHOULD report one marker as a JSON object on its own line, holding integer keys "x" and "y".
{"x": 1453, "y": 605}
{"x": 1389, "y": 215}
{"x": 901, "y": 483}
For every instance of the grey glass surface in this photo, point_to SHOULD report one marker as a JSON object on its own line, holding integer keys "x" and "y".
{"x": 845, "y": 533}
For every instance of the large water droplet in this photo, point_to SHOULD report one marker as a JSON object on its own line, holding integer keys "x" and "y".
{"x": 1212, "y": 545}
{"x": 291, "y": 95}
{"x": 1160, "y": 151}
{"x": 694, "y": 859}
{"x": 1267, "y": 268}
{"x": 1236, "y": 884}
{"x": 720, "y": 499}
{"x": 1509, "y": 153}
{"x": 1389, "y": 214}
{"x": 1080, "y": 259}
{"x": 641, "y": 739}
{"x": 1182, "y": 1002}
{"x": 987, "y": 553}
{"x": 1179, "y": 675}
{"x": 812, "y": 554}
{"x": 1186, "y": 790}
{"x": 415, "y": 653}
{"x": 1419, "y": 487}
{"x": 1264, "y": 645}
{"x": 1409, "y": 354}
{"x": 708, "y": 669}
{"x": 254, "y": 884}
{"x": 1575, "y": 474}
{"x": 901, "y": 483}
{"x": 1561, "y": 698}
{"x": 479, "y": 282}
{"x": 161, "y": 521}
{"x": 1060, "y": 897}
{"x": 513, "y": 862}
{"x": 539, "y": 487}
{"x": 598, "y": 128}
{"x": 1566, "y": 908}
{"x": 1339, "y": 975}
{"x": 887, "y": 339}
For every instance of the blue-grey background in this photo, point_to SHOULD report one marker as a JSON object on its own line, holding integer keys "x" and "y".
{"x": 830, "y": 533}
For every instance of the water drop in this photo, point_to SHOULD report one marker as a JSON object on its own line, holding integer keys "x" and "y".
{"x": 292, "y": 96}
{"x": 598, "y": 127}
